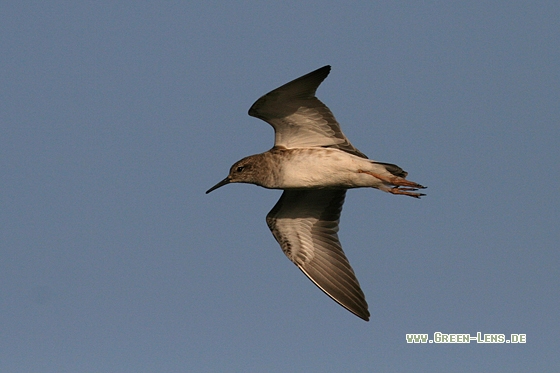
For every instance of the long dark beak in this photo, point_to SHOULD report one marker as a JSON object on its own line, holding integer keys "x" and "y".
{"x": 220, "y": 184}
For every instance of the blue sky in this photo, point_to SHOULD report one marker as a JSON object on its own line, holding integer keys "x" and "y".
{"x": 115, "y": 118}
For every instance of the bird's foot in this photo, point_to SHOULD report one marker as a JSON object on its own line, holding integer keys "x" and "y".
{"x": 406, "y": 192}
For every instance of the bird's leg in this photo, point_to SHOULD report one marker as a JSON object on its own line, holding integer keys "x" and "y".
{"x": 394, "y": 180}
{"x": 407, "y": 186}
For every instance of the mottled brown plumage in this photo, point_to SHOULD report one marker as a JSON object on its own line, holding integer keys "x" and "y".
{"x": 314, "y": 163}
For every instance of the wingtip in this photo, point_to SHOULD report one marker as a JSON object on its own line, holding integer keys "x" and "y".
{"x": 358, "y": 307}
{"x": 362, "y": 314}
{"x": 305, "y": 86}
{"x": 322, "y": 70}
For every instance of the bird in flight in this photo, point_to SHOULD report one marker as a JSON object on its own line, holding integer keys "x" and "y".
{"x": 314, "y": 163}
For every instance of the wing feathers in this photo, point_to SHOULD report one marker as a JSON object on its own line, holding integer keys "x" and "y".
{"x": 299, "y": 119}
{"x": 305, "y": 224}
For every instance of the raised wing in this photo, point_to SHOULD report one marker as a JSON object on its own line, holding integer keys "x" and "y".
{"x": 305, "y": 224}
{"x": 299, "y": 119}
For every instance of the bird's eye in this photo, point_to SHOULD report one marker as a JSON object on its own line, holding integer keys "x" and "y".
{"x": 240, "y": 168}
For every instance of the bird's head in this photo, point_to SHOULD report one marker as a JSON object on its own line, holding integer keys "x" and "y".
{"x": 243, "y": 171}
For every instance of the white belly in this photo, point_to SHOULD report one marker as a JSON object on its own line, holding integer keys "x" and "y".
{"x": 328, "y": 168}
